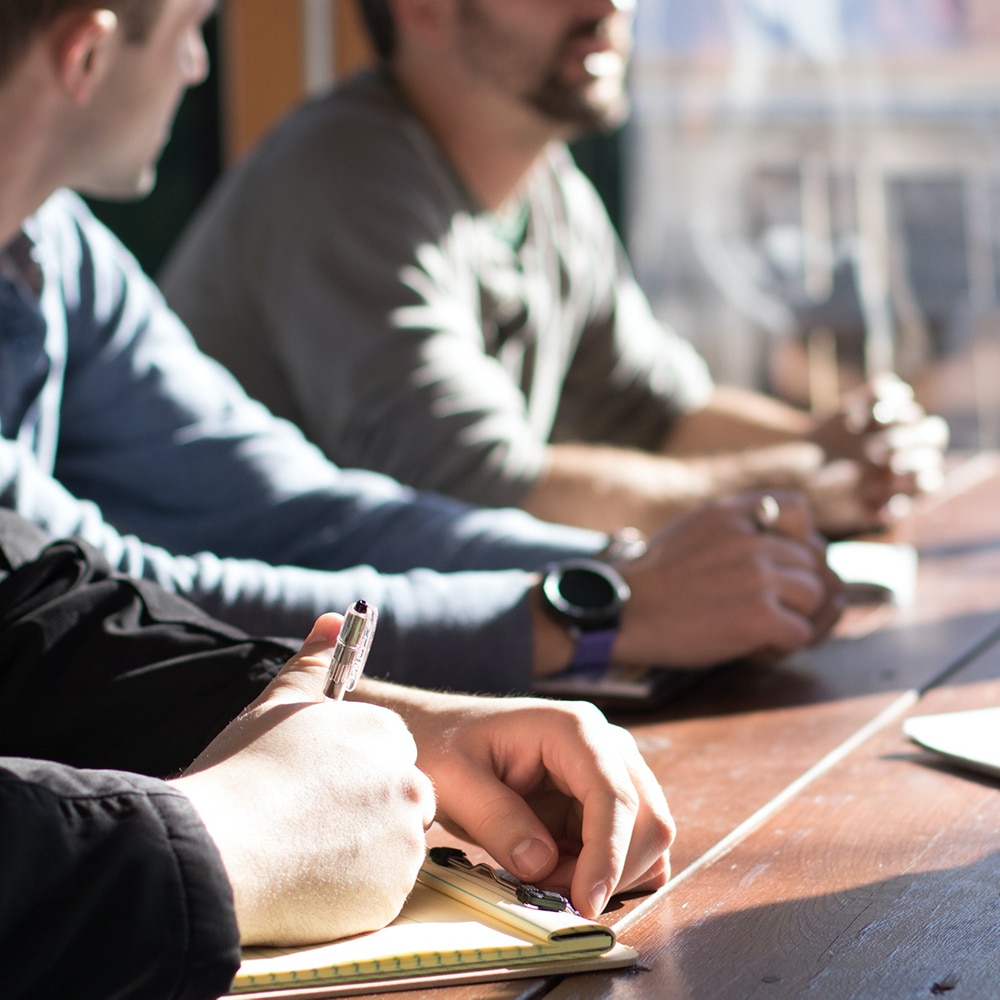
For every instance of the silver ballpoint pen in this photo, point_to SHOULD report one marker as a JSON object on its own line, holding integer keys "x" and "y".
{"x": 351, "y": 650}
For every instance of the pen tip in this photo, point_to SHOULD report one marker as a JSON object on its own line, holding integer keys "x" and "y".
{"x": 361, "y": 606}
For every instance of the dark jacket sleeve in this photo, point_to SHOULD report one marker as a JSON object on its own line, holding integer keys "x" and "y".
{"x": 110, "y": 887}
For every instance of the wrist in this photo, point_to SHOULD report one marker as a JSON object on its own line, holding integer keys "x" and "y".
{"x": 552, "y": 645}
{"x": 584, "y": 599}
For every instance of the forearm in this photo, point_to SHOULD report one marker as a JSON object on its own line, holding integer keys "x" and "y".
{"x": 608, "y": 488}
{"x": 605, "y": 488}
{"x": 736, "y": 419}
{"x": 460, "y": 631}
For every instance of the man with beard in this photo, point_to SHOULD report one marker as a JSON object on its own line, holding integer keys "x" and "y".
{"x": 413, "y": 270}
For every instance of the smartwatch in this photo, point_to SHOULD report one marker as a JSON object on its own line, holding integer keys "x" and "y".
{"x": 587, "y": 597}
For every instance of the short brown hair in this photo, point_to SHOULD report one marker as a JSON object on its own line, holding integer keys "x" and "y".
{"x": 377, "y": 15}
{"x": 21, "y": 20}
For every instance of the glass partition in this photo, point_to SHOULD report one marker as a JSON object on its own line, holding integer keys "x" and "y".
{"x": 814, "y": 193}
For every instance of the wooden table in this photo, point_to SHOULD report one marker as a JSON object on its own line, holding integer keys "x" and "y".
{"x": 820, "y": 853}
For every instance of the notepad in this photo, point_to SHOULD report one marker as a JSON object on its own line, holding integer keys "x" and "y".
{"x": 970, "y": 738}
{"x": 456, "y": 927}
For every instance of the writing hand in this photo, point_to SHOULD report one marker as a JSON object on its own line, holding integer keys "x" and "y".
{"x": 317, "y": 807}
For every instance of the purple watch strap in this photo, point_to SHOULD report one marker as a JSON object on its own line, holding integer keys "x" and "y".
{"x": 593, "y": 649}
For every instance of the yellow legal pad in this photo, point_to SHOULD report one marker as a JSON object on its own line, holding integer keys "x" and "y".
{"x": 455, "y": 927}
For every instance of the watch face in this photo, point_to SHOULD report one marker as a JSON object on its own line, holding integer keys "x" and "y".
{"x": 586, "y": 589}
{"x": 585, "y": 592}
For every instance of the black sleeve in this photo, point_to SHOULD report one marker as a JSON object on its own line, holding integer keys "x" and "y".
{"x": 101, "y": 671}
{"x": 109, "y": 887}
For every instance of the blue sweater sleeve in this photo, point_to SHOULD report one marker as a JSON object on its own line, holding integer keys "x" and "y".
{"x": 165, "y": 465}
{"x": 111, "y": 887}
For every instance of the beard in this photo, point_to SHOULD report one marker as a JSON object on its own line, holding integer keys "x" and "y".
{"x": 501, "y": 56}
{"x": 599, "y": 105}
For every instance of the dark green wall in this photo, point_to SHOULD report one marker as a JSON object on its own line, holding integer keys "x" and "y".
{"x": 600, "y": 158}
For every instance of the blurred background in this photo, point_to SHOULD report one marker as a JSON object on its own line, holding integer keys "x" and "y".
{"x": 813, "y": 193}
{"x": 809, "y": 189}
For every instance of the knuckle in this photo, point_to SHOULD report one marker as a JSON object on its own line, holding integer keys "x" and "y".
{"x": 626, "y": 740}
{"x": 418, "y": 787}
{"x": 582, "y": 716}
{"x": 626, "y": 795}
{"x": 664, "y": 831}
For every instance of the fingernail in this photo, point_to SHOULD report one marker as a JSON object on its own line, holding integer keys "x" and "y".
{"x": 530, "y": 857}
{"x": 598, "y": 897}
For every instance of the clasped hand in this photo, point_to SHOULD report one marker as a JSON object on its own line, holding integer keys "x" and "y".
{"x": 714, "y": 587}
{"x": 880, "y": 449}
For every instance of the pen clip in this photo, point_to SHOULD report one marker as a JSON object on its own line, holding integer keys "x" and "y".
{"x": 528, "y": 895}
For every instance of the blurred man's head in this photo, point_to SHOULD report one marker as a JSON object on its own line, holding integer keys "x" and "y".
{"x": 565, "y": 59}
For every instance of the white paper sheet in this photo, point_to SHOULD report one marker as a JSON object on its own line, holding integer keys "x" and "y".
{"x": 971, "y": 738}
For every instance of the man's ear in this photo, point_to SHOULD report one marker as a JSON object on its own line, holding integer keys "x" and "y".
{"x": 81, "y": 44}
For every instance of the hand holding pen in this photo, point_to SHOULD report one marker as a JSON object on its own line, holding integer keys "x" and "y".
{"x": 351, "y": 650}
{"x": 308, "y": 876}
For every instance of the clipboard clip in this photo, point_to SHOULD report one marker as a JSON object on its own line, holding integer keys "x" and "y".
{"x": 528, "y": 895}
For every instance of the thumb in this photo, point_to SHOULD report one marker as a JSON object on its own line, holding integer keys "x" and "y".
{"x": 504, "y": 825}
{"x": 303, "y": 677}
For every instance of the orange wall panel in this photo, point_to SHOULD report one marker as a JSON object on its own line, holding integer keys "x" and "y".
{"x": 262, "y": 55}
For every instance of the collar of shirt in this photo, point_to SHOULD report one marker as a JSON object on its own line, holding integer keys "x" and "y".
{"x": 18, "y": 264}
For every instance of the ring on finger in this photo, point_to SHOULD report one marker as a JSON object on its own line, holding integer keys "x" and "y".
{"x": 766, "y": 513}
